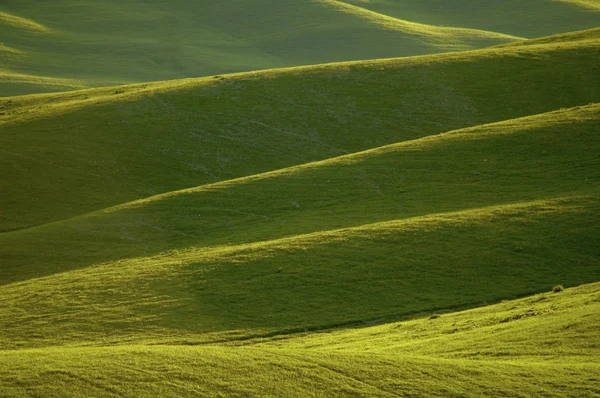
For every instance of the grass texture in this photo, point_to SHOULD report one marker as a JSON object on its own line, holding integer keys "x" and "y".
{"x": 513, "y": 17}
{"x": 541, "y": 345}
{"x": 187, "y": 133}
{"x": 111, "y": 42}
{"x": 368, "y": 228}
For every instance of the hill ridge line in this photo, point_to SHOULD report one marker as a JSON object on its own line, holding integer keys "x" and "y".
{"x": 99, "y": 95}
{"x": 413, "y": 28}
{"x": 256, "y": 341}
{"x": 285, "y": 333}
{"x": 588, "y": 4}
{"x": 466, "y": 214}
{"x": 23, "y": 23}
{"x": 381, "y": 149}
{"x": 346, "y": 158}
{"x": 177, "y": 256}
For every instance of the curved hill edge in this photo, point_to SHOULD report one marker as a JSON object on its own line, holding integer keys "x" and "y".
{"x": 444, "y": 35}
{"x": 495, "y": 167}
{"x": 556, "y": 336}
{"x": 553, "y": 118}
{"x": 127, "y": 137}
{"x": 43, "y": 104}
{"x": 593, "y": 5}
{"x": 404, "y": 267}
{"x": 22, "y": 23}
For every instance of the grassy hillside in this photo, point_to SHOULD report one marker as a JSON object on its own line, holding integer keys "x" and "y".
{"x": 539, "y": 345}
{"x": 532, "y": 18}
{"x": 100, "y": 43}
{"x": 67, "y": 154}
{"x": 345, "y": 229}
{"x": 445, "y": 221}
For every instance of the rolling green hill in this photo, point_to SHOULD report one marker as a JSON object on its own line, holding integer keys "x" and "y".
{"x": 369, "y": 228}
{"x": 69, "y": 45}
{"x": 67, "y": 154}
{"x": 545, "y": 344}
{"x": 444, "y": 221}
{"x": 532, "y": 18}
{"x": 102, "y": 43}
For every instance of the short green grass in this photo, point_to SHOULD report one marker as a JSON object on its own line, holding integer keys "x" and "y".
{"x": 350, "y": 229}
{"x": 440, "y": 222}
{"x": 381, "y": 271}
{"x": 542, "y": 345}
{"x": 112, "y": 41}
{"x": 186, "y": 133}
{"x": 532, "y": 18}
{"x": 105, "y": 43}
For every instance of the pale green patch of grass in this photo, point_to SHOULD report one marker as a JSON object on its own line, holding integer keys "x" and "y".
{"x": 589, "y": 4}
{"x": 191, "y": 132}
{"x": 532, "y": 18}
{"x": 22, "y": 23}
{"x": 545, "y": 344}
{"x": 559, "y": 328}
{"x": 243, "y": 253}
{"x": 112, "y": 41}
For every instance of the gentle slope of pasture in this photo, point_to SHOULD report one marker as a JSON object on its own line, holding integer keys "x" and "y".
{"x": 67, "y": 154}
{"x": 424, "y": 226}
{"x": 530, "y": 19}
{"x": 69, "y": 45}
{"x": 100, "y": 43}
{"x": 546, "y": 344}
{"x": 452, "y": 220}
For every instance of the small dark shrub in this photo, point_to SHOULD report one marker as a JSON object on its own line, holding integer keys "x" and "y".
{"x": 558, "y": 288}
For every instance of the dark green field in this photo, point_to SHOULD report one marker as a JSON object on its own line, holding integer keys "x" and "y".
{"x": 388, "y": 198}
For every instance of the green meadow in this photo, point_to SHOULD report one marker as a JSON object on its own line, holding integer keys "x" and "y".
{"x": 70, "y": 44}
{"x": 300, "y": 198}
{"x": 495, "y": 350}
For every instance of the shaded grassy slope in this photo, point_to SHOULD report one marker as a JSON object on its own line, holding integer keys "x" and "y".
{"x": 265, "y": 284}
{"x": 532, "y": 158}
{"x": 102, "y": 42}
{"x": 533, "y": 18}
{"x": 546, "y": 344}
{"x": 540, "y": 175}
{"x": 563, "y": 324}
{"x": 68, "y": 154}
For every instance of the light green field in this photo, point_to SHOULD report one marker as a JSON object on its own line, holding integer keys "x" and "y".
{"x": 532, "y": 18}
{"x": 384, "y": 233}
{"x": 369, "y": 228}
{"x": 111, "y": 42}
{"x": 186, "y": 133}
{"x": 544, "y": 345}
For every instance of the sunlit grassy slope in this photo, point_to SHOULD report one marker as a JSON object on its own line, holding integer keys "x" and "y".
{"x": 292, "y": 232}
{"x": 100, "y": 42}
{"x": 105, "y": 42}
{"x": 532, "y": 18}
{"x": 440, "y": 222}
{"x": 67, "y": 154}
{"x": 544, "y": 345}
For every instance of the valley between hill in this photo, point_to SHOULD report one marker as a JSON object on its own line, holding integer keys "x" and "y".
{"x": 424, "y": 225}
